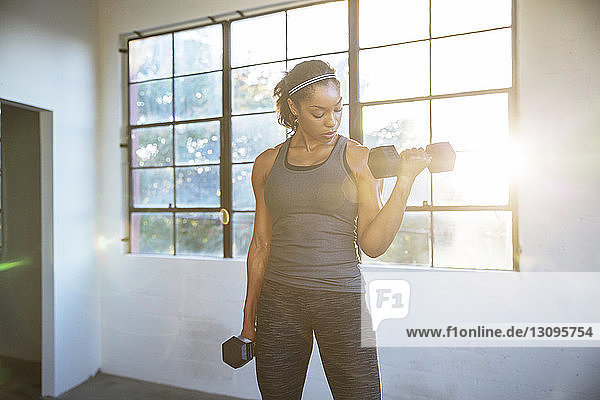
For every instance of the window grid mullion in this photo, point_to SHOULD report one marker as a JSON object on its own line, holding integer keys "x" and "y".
{"x": 430, "y": 38}
{"x": 226, "y": 166}
{"x": 431, "y": 231}
{"x": 513, "y": 105}
{"x": 174, "y": 215}
{"x": 355, "y": 108}
{"x": 129, "y": 158}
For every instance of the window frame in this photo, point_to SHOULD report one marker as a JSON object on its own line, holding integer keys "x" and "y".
{"x": 355, "y": 107}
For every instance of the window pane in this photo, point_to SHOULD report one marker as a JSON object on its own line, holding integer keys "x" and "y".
{"x": 152, "y": 187}
{"x": 318, "y": 29}
{"x": 152, "y": 147}
{"x": 471, "y": 62}
{"x": 150, "y": 102}
{"x": 471, "y": 122}
{"x": 252, "y": 134}
{"x": 199, "y": 234}
{"x": 198, "y": 96}
{"x": 411, "y": 244}
{"x": 199, "y": 50}
{"x": 198, "y": 186}
{"x": 337, "y": 61}
{"x": 394, "y": 72}
{"x": 152, "y": 233}
{"x": 392, "y": 21}
{"x": 404, "y": 125}
{"x": 461, "y": 16}
{"x": 419, "y": 193}
{"x": 150, "y": 58}
{"x": 259, "y": 39}
{"x": 243, "y": 227}
{"x": 241, "y": 180}
{"x": 197, "y": 143}
{"x": 252, "y": 87}
{"x": 344, "y": 128}
{"x": 478, "y": 178}
{"x": 472, "y": 239}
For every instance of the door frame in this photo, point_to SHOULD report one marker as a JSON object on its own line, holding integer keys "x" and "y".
{"x": 47, "y": 245}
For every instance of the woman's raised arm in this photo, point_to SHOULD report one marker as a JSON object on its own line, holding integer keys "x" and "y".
{"x": 377, "y": 225}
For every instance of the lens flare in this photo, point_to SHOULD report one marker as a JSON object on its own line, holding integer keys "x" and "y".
{"x": 12, "y": 264}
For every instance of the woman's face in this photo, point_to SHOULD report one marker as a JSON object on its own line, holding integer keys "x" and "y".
{"x": 319, "y": 116}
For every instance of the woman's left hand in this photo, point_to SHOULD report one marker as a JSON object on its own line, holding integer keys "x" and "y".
{"x": 413, "y": 161}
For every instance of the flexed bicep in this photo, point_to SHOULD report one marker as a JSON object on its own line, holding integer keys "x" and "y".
{"x": 369, "y": 193}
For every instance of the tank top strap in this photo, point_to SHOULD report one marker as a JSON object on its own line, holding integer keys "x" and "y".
{"x": 280, "y": 158}
{"x": 338, "y": 150}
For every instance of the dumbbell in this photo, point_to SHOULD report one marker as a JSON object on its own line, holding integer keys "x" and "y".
{"x": 384, "y": 161}
{"x": 237, "y": 351}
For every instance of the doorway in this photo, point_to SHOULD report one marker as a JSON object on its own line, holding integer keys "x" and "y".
{"x": 25, "y": 253}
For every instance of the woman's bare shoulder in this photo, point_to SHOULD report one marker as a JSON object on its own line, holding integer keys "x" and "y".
{"x": 265, "y": 160}
{"x": 356, "y": 155}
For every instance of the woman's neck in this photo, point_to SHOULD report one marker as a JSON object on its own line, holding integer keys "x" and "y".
{"x": 301, "y": 139}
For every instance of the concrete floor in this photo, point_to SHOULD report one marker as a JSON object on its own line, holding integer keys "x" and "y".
{"x": 21, "y": 380}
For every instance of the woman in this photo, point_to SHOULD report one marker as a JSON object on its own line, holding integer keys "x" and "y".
{"x": 316, "y": 201}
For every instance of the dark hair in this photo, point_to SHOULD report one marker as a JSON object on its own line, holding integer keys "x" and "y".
{"x": 300, "y": 73}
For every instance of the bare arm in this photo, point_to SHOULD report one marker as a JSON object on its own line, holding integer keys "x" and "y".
{"x": 258, "y": 253}
{"x": 378, "y": 226}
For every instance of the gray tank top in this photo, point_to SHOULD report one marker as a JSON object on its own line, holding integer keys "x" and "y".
{"x": 314, "y": 243}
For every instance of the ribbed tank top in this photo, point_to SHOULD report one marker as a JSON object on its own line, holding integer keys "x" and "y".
{"x": 314, "y": 240}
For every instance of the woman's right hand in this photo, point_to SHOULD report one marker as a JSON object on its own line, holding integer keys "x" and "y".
{"x": 413, "y": 161}
{"x": 248, "y": 330}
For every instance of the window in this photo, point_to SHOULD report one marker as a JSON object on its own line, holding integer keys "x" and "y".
{"x": 412, "y": 73}
{"x": 447, "y": 76}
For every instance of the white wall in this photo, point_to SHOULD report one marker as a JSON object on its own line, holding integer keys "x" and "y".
{"x": 163, "y": 318}
{"x": 48, "y": 60}
{"x": 559, "y": 50}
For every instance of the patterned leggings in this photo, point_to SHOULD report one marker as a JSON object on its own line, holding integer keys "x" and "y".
{"x": 285, "y": 321}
